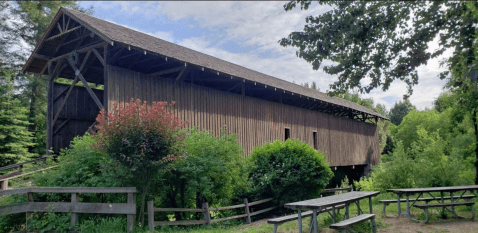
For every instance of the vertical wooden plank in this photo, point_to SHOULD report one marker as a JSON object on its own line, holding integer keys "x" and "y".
{"x": 130, "y": 217}
{"x": 150, "y": 216}
{"x": 74, "y": 216}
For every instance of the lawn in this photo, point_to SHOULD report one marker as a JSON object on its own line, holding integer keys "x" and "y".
{"x": 438, "y": 223}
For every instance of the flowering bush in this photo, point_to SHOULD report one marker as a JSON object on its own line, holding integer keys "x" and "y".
{"x": 143, "y": 139}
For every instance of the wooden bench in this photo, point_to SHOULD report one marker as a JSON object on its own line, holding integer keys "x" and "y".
{"x": 346, "y": 224}
{"x": 450, "y": 204}
{"x": 278, "y": 221}
{"x": 425, "y": 199}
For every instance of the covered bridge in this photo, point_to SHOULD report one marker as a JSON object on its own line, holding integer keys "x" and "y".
{"x": 120, "y": 63}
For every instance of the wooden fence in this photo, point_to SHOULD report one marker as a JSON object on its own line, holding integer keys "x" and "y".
{"x": 206, "y": 212}
{"x": 18, "y": 173}
{"x": 75, "y": 207}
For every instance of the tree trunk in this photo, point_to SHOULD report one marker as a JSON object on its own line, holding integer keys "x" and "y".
{"x": 143, "y": 202}
{"x": 475, "y": 125}
{"x": 33, "y": 106}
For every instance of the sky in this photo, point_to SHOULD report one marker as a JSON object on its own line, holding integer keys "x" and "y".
{"x": 247, "y": 34}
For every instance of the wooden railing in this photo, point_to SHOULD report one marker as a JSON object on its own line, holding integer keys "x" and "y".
{"x": 206, "y": 212}
{"x": 74, "y": 206}
{"x": 4, "y": 178}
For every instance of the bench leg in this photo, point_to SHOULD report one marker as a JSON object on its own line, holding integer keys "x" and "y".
{"x": 426, "y": 215}
{"x": 275, "y": 228}
{"x": 472, "y": 211}
{"x": 385, "y": 211}
{"x": 374, "y": 226}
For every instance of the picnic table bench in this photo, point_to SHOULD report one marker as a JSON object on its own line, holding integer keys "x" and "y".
{"x": 453, "y": 199}
{"x": 319, "y": 204}
{"x": 279, "y": 220}
{"x": 425, "y": 199}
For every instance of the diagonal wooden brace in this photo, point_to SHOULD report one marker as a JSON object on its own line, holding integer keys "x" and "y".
{"x": 70, "y": 89}
{"x": 85, "y": 84}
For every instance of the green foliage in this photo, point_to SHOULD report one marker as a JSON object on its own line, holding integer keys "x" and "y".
{"x": 382, "y": 41}
{"x": 50, "y": 221}
{"x": 400, "y": 110}
{"x": 84, "y": 166}
{"x": 15, "y": 139}
{"x": 100, "y": 225}
{"x": 214, "y": 171}
{"x": 288, "y": 171}
{"x": 425, "y": 164}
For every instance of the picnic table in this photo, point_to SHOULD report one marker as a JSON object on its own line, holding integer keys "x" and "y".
{"x": 320, "y": 204}
{"x": 420, "y": 191}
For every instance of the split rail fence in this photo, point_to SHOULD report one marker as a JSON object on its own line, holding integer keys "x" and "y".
{"x": 75, "y": 207}
{"x": 19, "y": 172}
{"x": 206, "y": 212}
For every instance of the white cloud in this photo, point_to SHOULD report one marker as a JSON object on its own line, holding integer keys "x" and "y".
{"x": 261, "y": 25}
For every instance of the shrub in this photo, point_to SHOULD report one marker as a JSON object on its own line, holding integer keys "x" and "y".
{"x": 288, "y": 171}
{"x": 143, "y": 139}
{"x": 213, "y": 172}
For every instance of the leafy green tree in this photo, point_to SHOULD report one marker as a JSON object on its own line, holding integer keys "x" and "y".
{"x": 15, "y": 139}
{"x": 399, "y": 110}
{"x": 214, "y": 171}
{"x": 288, "y": 171}
{"x": 381, "y": 41}
{"x": 25, "y": 23}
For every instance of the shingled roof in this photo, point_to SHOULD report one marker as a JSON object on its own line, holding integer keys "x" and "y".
{"x": 111, "y": 32}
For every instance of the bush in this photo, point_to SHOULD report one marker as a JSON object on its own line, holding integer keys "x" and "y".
{"x": 424, "y": 164}
{"x": 288, "y": 171}
{"x": 143, "y": 139}
{"x": 213, "y": 172}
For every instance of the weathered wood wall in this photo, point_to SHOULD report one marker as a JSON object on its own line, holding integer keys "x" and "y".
{"x": 255, "y": 121}
{"x": 79, "y": 113}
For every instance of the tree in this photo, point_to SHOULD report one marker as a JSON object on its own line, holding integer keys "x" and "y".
{"x": 14, "y": 136}
{"x": 144, "y": 140}
{"x": 399, "y": 110}
{"x": 25, "y": 23}
{"x": 381, "y": 41}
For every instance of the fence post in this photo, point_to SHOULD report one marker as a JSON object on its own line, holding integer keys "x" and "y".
{"x": 207, "y": 216}
{"x": 27, "y": 214}
{"x": 150, "y": 216}
{"x": 74, "y": 216}
{"x": 248, "y": 218}
{"x": 4, "y": 184}
{"x": 130, "y": 217}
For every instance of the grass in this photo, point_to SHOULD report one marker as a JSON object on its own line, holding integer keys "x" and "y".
{"x": 324, "y": 220}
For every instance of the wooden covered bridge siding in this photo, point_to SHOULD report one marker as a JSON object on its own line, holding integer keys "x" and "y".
{"x": 347, "y": 142}
{"x": 77, "y": 115}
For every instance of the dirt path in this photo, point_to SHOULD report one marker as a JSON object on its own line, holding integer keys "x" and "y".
{"x": 403, "y": 225}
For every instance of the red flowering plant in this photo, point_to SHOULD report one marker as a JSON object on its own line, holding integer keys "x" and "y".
{"x": 143, "y": 139}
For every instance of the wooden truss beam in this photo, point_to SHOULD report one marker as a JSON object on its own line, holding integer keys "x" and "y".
{"x": 63, "y": 33}
{"x": 71, "y": 89}
{"x": 97, "y": 54}
{"x": 182, "y": 75}
{"x": 85, "y": 84}
{"x": 168, "y": 71}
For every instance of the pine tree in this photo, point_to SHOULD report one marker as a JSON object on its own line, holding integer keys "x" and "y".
{"x": 15, "y": 139}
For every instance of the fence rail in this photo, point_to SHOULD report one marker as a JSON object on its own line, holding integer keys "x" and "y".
{"x": 75, "y": 207}
{"x": 206, "y": 212}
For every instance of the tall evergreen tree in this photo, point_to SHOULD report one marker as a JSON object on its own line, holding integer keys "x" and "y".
{"x": 23, "y": 24}
{"x": 15, "y": 139}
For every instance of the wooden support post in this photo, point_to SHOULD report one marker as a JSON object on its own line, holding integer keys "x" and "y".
{"x": 370, "y": 204}
{"x": 207, "y": 216}
{"x": 27, "y": 214}
{"x": 150, "y": 216}
{"x": 130, "y": 217}
{"x": 248, "y": 218}
{"x": 4, "y": 184}
{"x": 105, "y": 78}
{"x": 346, "y": 210}
{"x": 74, "y": 216}
{"x": 299, "y": 219}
